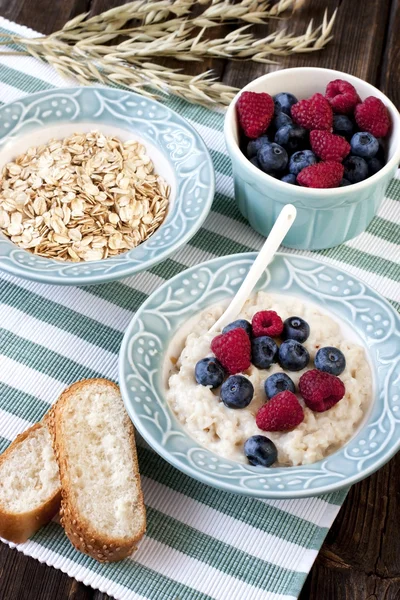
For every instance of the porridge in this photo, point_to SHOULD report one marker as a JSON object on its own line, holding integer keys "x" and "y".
{"x": 308, "y": 434}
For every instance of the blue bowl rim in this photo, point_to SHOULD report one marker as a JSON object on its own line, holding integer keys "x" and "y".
{"x": 43, "y": 277}
{"x": 222, "y": 485}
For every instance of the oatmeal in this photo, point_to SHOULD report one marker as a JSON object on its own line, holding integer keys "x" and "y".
{"x": 225, "y": 431}
{"x": 86, "y": 197}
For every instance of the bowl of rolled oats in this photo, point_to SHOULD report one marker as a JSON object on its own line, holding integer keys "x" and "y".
{"x": 97, "y": 184}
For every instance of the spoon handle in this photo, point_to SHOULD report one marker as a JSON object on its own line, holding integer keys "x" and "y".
{"x": 266, "y": 254}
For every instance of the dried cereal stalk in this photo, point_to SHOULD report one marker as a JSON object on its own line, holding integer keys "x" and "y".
{"x": 82, "y": 49}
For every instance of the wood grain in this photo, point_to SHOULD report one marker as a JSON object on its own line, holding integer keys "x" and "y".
{"x": 42, "y": 15}
{"x": 360, "y": 559}
{"x": 357, "y": 46}
{"x": 390, "y": 64}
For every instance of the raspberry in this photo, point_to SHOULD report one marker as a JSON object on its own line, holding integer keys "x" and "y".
{"x": 321, "y": 390}
{"x": 282, "y": 413}
{"x": 342, "y": 96}
{"x": 267, "y": 322}
{"x": 322, "y": 175}
{"x": 233, "y": 350}
{"x": 313, "y": 113}
{"x": 373, "y": 116}
{"x": 329, "y": 146}
{"x": 255, "y": 112}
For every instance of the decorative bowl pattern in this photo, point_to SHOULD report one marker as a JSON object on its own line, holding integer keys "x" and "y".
{"x": 177, "y": 150}
{"x": 372, "y": 318}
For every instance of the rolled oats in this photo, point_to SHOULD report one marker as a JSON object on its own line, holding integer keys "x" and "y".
{"x": 83, "y": 198}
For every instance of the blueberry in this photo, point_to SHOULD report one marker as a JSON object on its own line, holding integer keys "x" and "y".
{"x": 260, "y": 451}
{"x": 263, "y": 351}
{"x": 331, "y": 360}
{"x": 344, "y": 182}
{"x": 374, "y": 165}
{"x": 289, "y": 178}
{"x": 254, "y": 145}
{"x": 254, "y": 161}
{"x": 240, "y": 323}
{"x": 300, "y": 160}
{"x": 364, "y": 144}
{"x": 278, "y": 382}
{"x": 237, "y": 392}
{"x": 295, "y": 328}
{"x": 209, "y": 372}
{"x": 292, "y": 138}
{"x": 355, "y": 169}
{"x": 281, "y": 120}
{"x": 284, "y": 102}
{"x": 272, "y": 157}
{"x": 342, "y": 125}
{"x": 293, "y": 356}
{"x": 381, "y": 154}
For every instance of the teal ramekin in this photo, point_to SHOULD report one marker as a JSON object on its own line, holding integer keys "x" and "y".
{"x": 325, "y": 217}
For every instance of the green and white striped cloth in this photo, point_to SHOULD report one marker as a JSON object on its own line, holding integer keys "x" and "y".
{"x": 201, "y": 543}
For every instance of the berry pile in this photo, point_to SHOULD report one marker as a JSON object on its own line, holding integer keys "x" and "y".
{"x": 324, "y": 141}
{"x": 241, "y": 344}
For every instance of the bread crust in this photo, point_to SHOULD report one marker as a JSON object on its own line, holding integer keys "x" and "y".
{"x": 18, "y": 527}
{"x": 78, "y": 529}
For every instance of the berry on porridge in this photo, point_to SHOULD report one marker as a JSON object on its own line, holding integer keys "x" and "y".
{"x": 310, "y": 141}
{"x": 241, "y": 324}
{"x": 321, "y": 390}
{"x": 282, "y": 413}
{"x": 237, "y": 391}
{"x": 293, "y": 356}
{"x": 288, "y": 398}
{"x": 264, "y": 351}
{"x": 210, "y": 372}
{"x": 260, "y": 451}
{"x": 278, "y": 382}
{"x": 295, "y": 328}
{"x": 331, "y": 360}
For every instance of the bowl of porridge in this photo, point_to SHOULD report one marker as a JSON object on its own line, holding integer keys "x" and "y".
{"x": 97, "y": 184}
{"x": 310, "y": 408}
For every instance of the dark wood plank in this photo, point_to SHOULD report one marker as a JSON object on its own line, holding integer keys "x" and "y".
{"x": 23, "y": 578}
{"x": 390, "y": 66}
{"x": 357, "y": 46}
{"x": 45, "y": 16}
{"x": 360, "y": 558}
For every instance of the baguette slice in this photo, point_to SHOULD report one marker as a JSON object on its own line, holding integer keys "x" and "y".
{"x": 30, "y": 491}
{"x": 102, "y": 509}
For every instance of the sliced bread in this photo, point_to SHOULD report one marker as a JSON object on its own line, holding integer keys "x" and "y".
{"x": 30, "y": 492}
{"x": 102, "y": 509}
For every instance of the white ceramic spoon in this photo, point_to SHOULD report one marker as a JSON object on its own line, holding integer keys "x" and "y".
{"x": 266, "y": 254}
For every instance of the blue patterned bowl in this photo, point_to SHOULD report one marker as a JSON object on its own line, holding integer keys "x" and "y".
{"x": 178, "y": 153}
{"x": 351, "y": 301}
{"x": 325, "y": 217}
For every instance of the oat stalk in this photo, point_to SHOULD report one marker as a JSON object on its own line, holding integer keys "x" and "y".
{"x": 89, "y": 49}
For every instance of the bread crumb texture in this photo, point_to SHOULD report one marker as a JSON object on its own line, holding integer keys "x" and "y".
{"x": 96, "y": 434}
{"x": 29, "y": 476}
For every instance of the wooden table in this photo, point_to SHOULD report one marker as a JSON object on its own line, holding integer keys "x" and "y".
{"x": 360, "y": 559}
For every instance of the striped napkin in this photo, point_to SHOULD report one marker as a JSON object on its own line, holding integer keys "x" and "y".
{"x": 201, "y": 543}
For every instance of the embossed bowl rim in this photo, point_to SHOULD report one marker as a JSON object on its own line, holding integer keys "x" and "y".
{"x": 52, "y": 277}
{"x": 203, "y": 477}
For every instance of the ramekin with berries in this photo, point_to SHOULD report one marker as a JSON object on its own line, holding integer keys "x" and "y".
{"x": 322, "y": 140}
